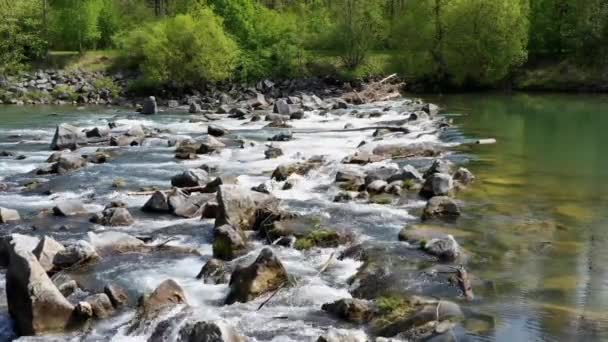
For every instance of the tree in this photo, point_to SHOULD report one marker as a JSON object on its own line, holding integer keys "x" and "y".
{"x": 75, "y": 23}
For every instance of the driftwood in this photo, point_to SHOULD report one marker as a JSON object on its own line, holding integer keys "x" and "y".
{"x": 377, "y": 91}
{"x": 465, "y": 282}
{"x": 389, "y": 128}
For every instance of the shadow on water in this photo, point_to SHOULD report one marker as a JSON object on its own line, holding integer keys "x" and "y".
{"x": 539, "y": 208}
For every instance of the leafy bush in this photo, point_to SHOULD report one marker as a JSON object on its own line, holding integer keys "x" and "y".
{"x": 107, "y": 83}
{"x": 189, "y": 49}
{"x": 21, "y": 38}
{"x": 65, "y": 91}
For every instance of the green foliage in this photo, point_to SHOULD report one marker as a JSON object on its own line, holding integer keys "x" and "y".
{"x": 21, "y": 34}
{"x": 65, "y": 91}
{"x": 107, "y": 83}
{"x": 74, "y": 23}
{"x": 189, "y": 49}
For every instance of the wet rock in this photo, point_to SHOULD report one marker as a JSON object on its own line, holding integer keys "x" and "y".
{"x": 439, "y": 166}
{"x": 212, "y": 186}
{"x": 265, "y": 274}
{"x": 394, "y": 188}
{"x": 210, "y": 145}
{"x": 84, "y": 310}
{"x": 45, "y": 252}
{"x": 214, "y": 272}
{"x": 109, "y": 243}
{"x": 282, "y": 172}
{"x": 441, "y": 207}
{"x": 149, "y": 106}
{"x": 68, "y": 288}
{"x": 228, "y": 243}
{"x": 238, "y": 113}
{"x": 190, "y": 178}
{"x": 166, "y": 296}
{"x": 437, "y": 184}
{"x": 352, "y": 310}
{"x": 7, "y": 154}
{"x": 259, "y": 101}
{"x": 209, "y": 332}
{"x": 283, "y": 136}
{"x": 376, "y": 187}
{"x": 210, "y": 210}
{"x": 69, "y": 208}
{"x": 172, "y": 104}
{"x": 349, "y": 176}
{"x": 431, "y": 109}
{"x": 123, "y": 140}
{"x": 97, "y": 132}
{"x": 273, "y": 152}
{"x": 117, "y": 295}
{"x": 236, "y": 207}
{"x": 67, "y": 137}
{"x": 363, "y": 158}
{"x": 282, "y": 107}
{"x": 217, "y": 131}
{"x": 68, "y": 162}
{"x": 34, "y": 302}
{"x": 406, "y": 151}
{"x": 135, "y": 131}
{"x": 79, "y": 252}
{"x": 158, "y": 203}
{"x": 194, "y": 108}
{"x": 445, "y": 248}
{"x": 183, "y": 205}
{"x": 9, "y": 215}
{"x": 408, "y": 173}
{"x": 113, "y": 217}
{"x": 101, "y": 305}
{"x": 185, "y": 156}
{"x": 343, "y": 197}
{"x": 464, "y": 176}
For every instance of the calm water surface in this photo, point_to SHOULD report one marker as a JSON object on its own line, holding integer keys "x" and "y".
{"x": 539, "y": 211}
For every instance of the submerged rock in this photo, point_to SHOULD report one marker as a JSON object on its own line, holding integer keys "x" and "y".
{"x": 441, "y": 207}
{"x": 9, "y": 215}
{"x": 445, "y": 248}
{"x": 464, "y": 176}
{"x": 34, "y": 302}
{"x": 265, "y": 274}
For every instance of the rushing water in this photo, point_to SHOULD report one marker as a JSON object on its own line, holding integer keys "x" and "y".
{"x": 534, "y": 219}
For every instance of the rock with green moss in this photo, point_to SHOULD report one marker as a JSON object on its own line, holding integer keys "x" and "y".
{"x": 229, "y": 242}
{"x": 383, "y": 199}
{"x": 351, "y": 310}
{"x": 441, "y": 207}
{"x": 319, "y": 238}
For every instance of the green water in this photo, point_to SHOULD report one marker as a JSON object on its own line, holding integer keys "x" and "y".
{"x": 539, "y": 211}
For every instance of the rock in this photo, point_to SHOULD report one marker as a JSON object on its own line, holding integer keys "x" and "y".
{"x": 194, "y": 108}
{"x": 464, "y": 176}
{"x": 282, "y": 172}
{"x": 172, "y": 104}
{"x": 124, "y": 140}
{"x": 9, "y": 215}
{"x": 296, "y": 115}
{"x": 67, "y": 137}
{"x": 341, "y": 335}
{"x": 217, "y": 131}
{"x": 69, "y": 208}
{"x": 236, "y": 207}
{"x": 437, "y": 184}
{"x": 376, "y": 187}
{"x": 283, "y": 136}
{"x": 68, "y": 162}
{"x": 441, "y": 207}
{"x": 238, "y": 113}
{"x": 114, "y": 217}
{"x": 352, "y": 310}
{"x": 363, "y": 158}
{"x": 135, "y": 131}
{"x": 187, "y": 206}
{"x": 166, "y": 296}
{"x": 445, "y": 248}
{"x": 117, "y": 295}
{"x": 190, "y": 178}
{"x": 101, "y": 305}
{"x": 97, "y": 132}
{"x": 214, "y": 272}
{"x": 209, "y": 332}
{"x": 265, "y": 274}
{"x": 45, "y": 252}
{"x": 394, "y": 188}
{"x": 439, "y": 166}
{"x": 212, "y": 186}
{"x": 7, "y": 154}
{"x": 149, "y": 106}
{"x": 34, "y": 302}
{"x": 84, "y": 310}
{"x": 79, "y": 252}
{"x": 408, "y": 173}
{"x": 68, "y": 288}
{"x": 158, "y": 203}
{"x": 210, "y": 145}
{"x": 258, "y": 101}
{"x": 229, "y": 242}
{"x": 431, "y": 109}
{"x": 273, "y": 152}
{"x": 343, "y": 197}
{"x": 210, "y": 210}
{"x": 348, "y": 176}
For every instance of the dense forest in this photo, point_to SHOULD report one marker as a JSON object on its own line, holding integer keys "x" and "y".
{"x": 188, "y": 42}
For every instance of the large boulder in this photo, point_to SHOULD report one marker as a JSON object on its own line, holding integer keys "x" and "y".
{"x": 265, "y": 274}
{"x": 208, "y": 332}
{"x": 236, "y": 207}
{"x": 69, "y": 208}
{"x": 190, "y": 178}
{"x": 79, "y": 252}
{"x": 441, "y": 207}
{"x": 188, "y": 206}
{"x": 408, "y": 173}
{"x": 149, "y": 106}
{"x": 439, "y": 166}
{"x": 9, "y": 215}
{"x": 229, "y": 242}
{"x": 67, "y": 137}
{"x": 157, "y": 203}
{"x": 353, "y": 310}
{"x": 101, "y": 305}
{"x": 437, "y": 184}
{"x": 34, "y": 302}
{"x": 45, "y": 252}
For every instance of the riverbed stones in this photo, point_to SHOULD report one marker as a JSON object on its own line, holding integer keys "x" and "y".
{"x": 9, "y": 215}
{"x": 190, "y": 178}
{"x": 437, "y": 184}
{"x": 441, "y": 207}
{"x": 351, "y": 310}
{"x": 46, "y": 250}
{"x": 217, "y": 131}
{"x": 79, "y": 252}
{"x": 149, "y": 106}
{"x": 187, "y": 206}
{"x": 363, "y": 158}
{"x": 194, "y": 108}
{"x": 228, "y": 243}
{"x": 264, "y": 275}
{"x": 69, "y": 208}
{"x": 67, "y": 137}
{"x": 34, "y": 302}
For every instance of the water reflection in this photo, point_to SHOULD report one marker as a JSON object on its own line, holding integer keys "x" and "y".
{"x": 539, "y": 209}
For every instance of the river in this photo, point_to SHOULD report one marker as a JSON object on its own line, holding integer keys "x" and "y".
{"x": 534, "y": 219}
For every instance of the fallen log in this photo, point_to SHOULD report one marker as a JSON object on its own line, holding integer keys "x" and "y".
{"x": 390, "y": 128}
